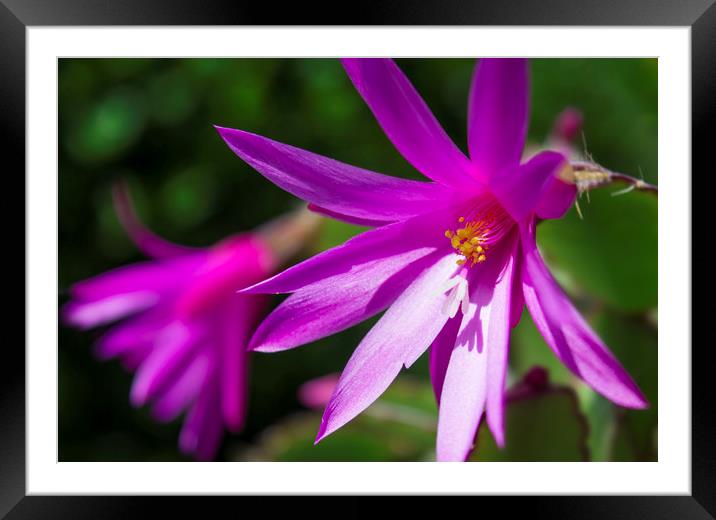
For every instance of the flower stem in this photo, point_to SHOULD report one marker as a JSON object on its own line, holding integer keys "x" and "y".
{"x": 587, "y": 176}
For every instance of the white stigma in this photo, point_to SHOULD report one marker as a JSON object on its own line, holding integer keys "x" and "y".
{"x": 459, "y": 296}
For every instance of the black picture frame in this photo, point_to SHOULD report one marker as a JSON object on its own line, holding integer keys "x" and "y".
{"x": 700, "y": 15}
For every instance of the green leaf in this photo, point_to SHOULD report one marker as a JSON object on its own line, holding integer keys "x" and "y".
{"x": 631, "y": 434}
{"x": 540, "y": 425}
{"x": 292, "y": 440}
{"x": 614, "y": 433}
{"x": 612, "y": 252}
{"x": 602, "y": 424}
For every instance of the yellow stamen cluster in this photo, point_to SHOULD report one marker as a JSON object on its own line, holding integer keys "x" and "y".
{"x": 469, "y": 241}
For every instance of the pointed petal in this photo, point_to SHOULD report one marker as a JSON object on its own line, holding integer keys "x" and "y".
{"x": 480, "y": 347}
{"x": 138, "y": 332}
{"x": 333, "y": 185}
{"x": 498, "y": 114}
{"x": 407, "y": 120}
{"x": 517, "y": 301}
{"x": 440, "y": 352}
{"x": 340, "y": 301}
{"x": 535, "y": 186}
{"x": 398, "y": 339}
{"x": 349, "y": 283}
{"x": 170, "y": 355}
{"x": 567, "y": 333}
{"x": 146, "y": 241}
{"x": 498, "y": 345}
{"x": 557, "y": 197}
{"x": 464, "y": 391}
{"x": 233, "y": 330}
{"x": 415, "y": 237}
{"x": 155, "y": 277}
{"x": 86, "y": 315}
{"x": 183, "y": 391}
{"x": 202, "y": 431}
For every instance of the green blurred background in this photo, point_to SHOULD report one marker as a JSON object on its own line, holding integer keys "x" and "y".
{"x": 150, "y": 121}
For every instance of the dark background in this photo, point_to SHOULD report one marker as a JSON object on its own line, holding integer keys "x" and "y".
{"x": 149, "y": 121}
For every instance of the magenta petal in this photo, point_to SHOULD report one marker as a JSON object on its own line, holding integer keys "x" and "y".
{"x": 236, "y": 263}
{"x": 335, "y": 186}
{"x": 440, "y": 352}
{"x": 476, "y": 370}
{"x": 138, "y": 332}
{"x": 415, "y": 237}
{"x": 399, "y": 338}
{"x": 498, "y": 344}
{"x": 534, "y": 185}
{"x": 171, "y": 353}
{"x": 407, "y": 120}
{"x": 517, "y": 300}
{"x": 100, "y": 312}
{"x": 155, "y": 277}
{"x": 232, "y": 333}
{"x": 348, "y": 283}
{"x": 568, "y": 334}
{"x": 340, "y": 301}
{"x": 463, "y": 393}
{"x": 202, "y": 430}
{"x": 183, "y": 391}
{"x": 498, "y": 114}
{"x": 146, "y": 241}
{"x": 557, "y": 197}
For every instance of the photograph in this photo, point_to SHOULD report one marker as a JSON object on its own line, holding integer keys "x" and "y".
{"x": 359, "y": 259}
{"x": 418, "y": 250}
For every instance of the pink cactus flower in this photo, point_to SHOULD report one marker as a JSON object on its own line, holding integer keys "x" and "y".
{"x": 185, "y": 328}
{"x": 453, "y": 260}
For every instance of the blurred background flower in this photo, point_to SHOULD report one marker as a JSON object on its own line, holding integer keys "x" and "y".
{"x": 184, "y": 329}
{"x": 149, "y": 121}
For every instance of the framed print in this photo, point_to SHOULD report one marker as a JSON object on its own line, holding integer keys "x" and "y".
{"x": 427, "y": 258}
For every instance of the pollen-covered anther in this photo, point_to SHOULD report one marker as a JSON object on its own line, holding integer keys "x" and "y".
{"x": 470, "y": 241}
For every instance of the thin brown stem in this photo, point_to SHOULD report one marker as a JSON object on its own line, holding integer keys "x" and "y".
{"x": 587, "y": 176}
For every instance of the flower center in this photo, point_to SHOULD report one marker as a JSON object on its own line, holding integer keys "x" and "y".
{"x": 471, "y": 240}
{"x": 479, "y": 230}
